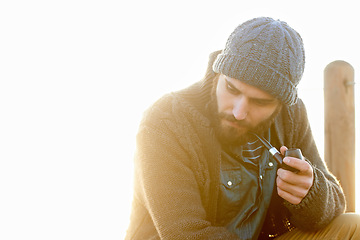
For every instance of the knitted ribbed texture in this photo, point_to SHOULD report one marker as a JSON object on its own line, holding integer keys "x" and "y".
{"x": 267, "y": 54}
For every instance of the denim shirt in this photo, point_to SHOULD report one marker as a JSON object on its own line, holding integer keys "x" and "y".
{"x": 246, "y": 188}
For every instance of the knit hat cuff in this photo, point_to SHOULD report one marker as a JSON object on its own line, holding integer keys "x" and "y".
{"x": 253, "y": 73}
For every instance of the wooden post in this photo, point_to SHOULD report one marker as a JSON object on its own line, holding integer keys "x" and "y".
{"x": 340, "y": 126}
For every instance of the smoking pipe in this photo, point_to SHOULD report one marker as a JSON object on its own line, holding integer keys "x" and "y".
{"x": 292, "y": 152}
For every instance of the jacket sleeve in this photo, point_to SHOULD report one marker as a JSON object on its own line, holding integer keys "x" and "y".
{"x": 325, "y": 199}
{"x": 167, "y": 194}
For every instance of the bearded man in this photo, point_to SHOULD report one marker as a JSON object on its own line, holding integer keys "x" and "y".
{"x": 202, "y": 173}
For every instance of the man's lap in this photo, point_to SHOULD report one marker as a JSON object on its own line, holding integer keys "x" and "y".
{"x": 346, "y": 226}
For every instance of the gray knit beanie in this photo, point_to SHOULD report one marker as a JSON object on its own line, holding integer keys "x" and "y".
{"x": 267, "y": 54}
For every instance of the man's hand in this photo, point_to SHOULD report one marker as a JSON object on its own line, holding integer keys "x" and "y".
{"x": 293, "y": 187}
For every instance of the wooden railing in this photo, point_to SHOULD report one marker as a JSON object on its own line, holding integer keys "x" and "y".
{"x": 340, "y": 126}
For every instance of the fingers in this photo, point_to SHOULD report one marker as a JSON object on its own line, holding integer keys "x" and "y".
{"x": 298, "y": 189}
{"x": 296, "y": 179}
{"x": 291, "y": 186}
{"x": 289, "y": 197}
{"x": 290, "y": 192}
{"x": 303, "y": 166}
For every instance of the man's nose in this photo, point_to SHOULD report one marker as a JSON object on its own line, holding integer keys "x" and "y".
{"x": 241, "y": 108}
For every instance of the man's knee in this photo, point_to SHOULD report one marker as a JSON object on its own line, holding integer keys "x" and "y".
{"x": 344, "y": 227}
{"x": 347, "y": 218}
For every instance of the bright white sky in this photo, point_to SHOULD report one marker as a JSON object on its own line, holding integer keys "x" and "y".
{"x": 76, "y": 76}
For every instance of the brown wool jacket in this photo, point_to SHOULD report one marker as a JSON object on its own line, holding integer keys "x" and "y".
{"x": 177, "y": 169}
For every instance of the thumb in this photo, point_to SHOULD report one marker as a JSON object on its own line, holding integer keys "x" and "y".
{"x": 283, "y": 150}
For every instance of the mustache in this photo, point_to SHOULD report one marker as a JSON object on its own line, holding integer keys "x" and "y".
{"x": 231, "y": 118}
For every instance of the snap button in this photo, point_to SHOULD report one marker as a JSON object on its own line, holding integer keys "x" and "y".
{"x": 229, "y": 183}
{"x": 271, "y": 164}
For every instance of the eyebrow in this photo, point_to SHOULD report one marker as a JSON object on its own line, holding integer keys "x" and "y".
{"x": 264, "y": 100}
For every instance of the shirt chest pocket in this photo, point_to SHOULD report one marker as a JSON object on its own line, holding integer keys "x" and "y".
{"x": 238, "y": 185}
{"x": 230, "y": 179}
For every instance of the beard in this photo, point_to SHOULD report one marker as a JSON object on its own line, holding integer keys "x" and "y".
{"x": 242, "y": 132}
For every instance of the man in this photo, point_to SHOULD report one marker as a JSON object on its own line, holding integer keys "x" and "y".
{"x": 201, "y": 172}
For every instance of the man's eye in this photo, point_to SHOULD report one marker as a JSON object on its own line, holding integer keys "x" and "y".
{"x": 231, "y": 89}
{"x": 261, "y": 102}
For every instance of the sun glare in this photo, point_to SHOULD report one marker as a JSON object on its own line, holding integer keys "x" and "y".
{"x": 78, "y": 75}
